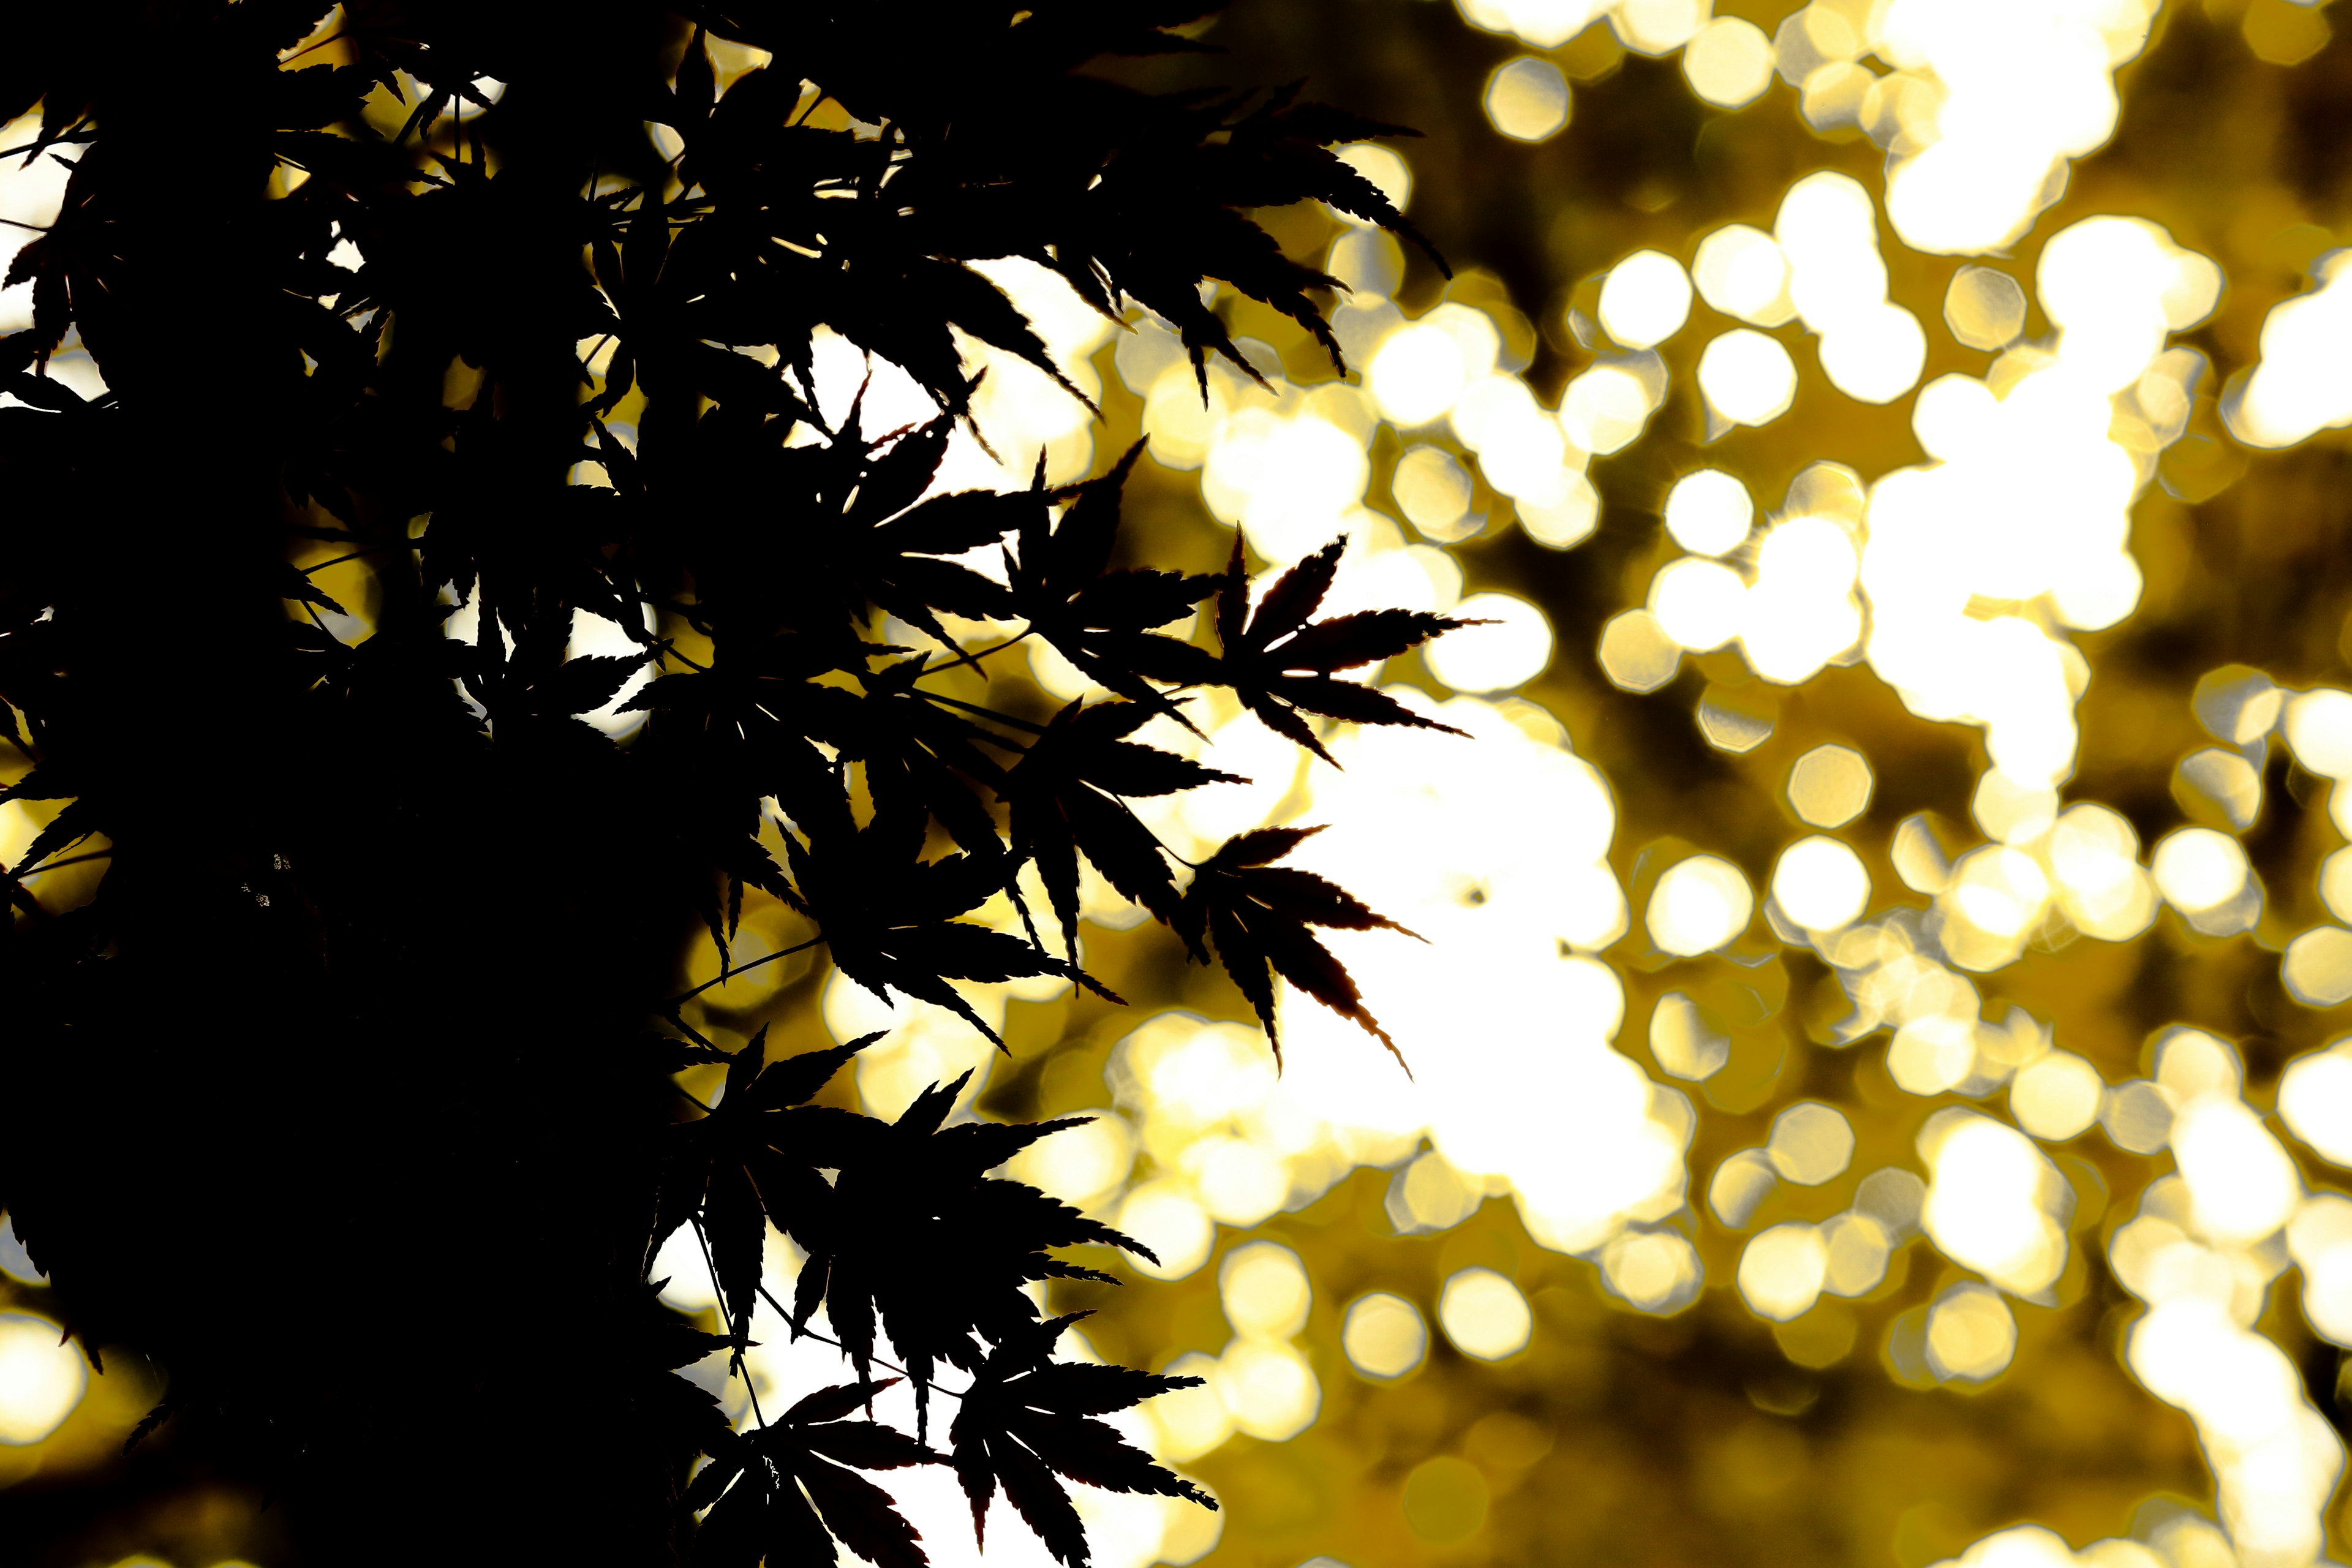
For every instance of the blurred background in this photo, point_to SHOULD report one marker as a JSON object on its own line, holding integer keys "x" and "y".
{"x": 1876, "y": 1093}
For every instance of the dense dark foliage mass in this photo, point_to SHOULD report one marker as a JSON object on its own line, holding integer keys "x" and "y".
{"x": 371, "y": 1017}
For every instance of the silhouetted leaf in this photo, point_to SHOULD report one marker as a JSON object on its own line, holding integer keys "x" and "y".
{"x": 1102, "y": 620}
{"x": 918, "y": 1207}
{"x": 1259, "y": 916}
{"x": 1065, "y": 796}
{"x": 1279, "y": 663}
{"x": 888, "y": 918}
{"x": 768, "y": 1491}
{"x": 755, "y": 1158}
{"x": 1025, "y": 1420}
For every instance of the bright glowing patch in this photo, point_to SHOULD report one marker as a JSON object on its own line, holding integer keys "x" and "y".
{"x": 1748, "y": 377}
{"x": 1485, "y": 1315}
{"x": 1698, "y": 905}
{"x": 2196, "y": 869}
{"x": 1740, "y": 270}
{"x": 2315, "y": 1099}
{"x": 1821, "y": 883}
{"x": 1782, "y": 1270}
{"x": 1708, "y": 513}
{"x": 1728, "y": 62}
{"x": 1432, "y": 490}
{"x": 41, "y": 1378}
{"x": 2057, "y": 1097}
{"x": 1510, "y": 652}
{"x": 1645, "y": 299}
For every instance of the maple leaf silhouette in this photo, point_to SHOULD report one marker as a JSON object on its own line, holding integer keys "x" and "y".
{"x": 918, "y": 1207}
{"x": 890, "y": 546}
{"x": 1279, "y": 663}
{"x": 787, "y": 1492}
{"x": 1099, "y": 619}
{"x": 1259, "y": 915}
{"x": 755, "y": 1157}
{"x": 888, "y": 916}
{"x": 1026, "y": 1420}
{"x": 918, "y": 754}
{"x": 1065, "y": 795}
{"x": 754, "y": 716}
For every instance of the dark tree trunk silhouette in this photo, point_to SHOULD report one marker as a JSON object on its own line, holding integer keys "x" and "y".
{"x": 346, "y": 1098}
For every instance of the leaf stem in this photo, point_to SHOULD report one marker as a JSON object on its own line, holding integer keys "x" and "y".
{"x": 735, "y": 1361}
{"x": 68, "y": 860}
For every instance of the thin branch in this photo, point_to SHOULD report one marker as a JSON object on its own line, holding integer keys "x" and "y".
{"x": 974, "y": 708}
{"x": 667, "y": 649}
{"x": 676, "y": 1002}
{"x": 1024, "y": 635}
{"x": 335, "y": 38}
{"x": 354, "y": 555}
{"x": 68, "y": 860}
{"x": 876, "y": 1360}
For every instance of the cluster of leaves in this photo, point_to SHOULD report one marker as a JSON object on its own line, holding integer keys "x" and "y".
{"x": 910, "y": 1202}
{"x": 660, "y": 323}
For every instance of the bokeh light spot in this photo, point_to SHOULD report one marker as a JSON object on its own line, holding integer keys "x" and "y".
{"x": 1645, "y": 299}
{"x": 1782, "y": 1269}
{"x": 1512, "y": 651}
{"x": 1698, "y": 603}
{"x": 1383, "y": 1335}
{"x": 1269, "y": 1388}
{"x": 1432, "y": 490}
{"x": 1821, "y": 883}
{"x": 1728, "y": 62}
{"x": 2196, "y": 869}
{"x": 2315, "y": 1099}
{"x": 1971, "y": 1334}
{"x": 1526, "y": 99}
{"x": 1831, "y": 785}
{"x": 1740, "y": 270}
{"x": 1984, "y": 308}
{"x": 1748, "y": 377}
{"x": 1485, "y": 1315}
{"x": 2318, "y": 967}
{"x": 1811, "y": 1143}
{"x": 1636, "y": 654}
{"x": 42, "y": 1378}
{"x": 1708, "y": 513}
{"x": 1655, "y": 1271}
{"x": 2056, "y": 1097}
{"x": 1265, "y": 1291}
{"x": 1699, "y": 904}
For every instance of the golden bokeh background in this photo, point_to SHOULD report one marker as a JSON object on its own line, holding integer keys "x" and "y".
{"x": 1876, "y": 1094}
